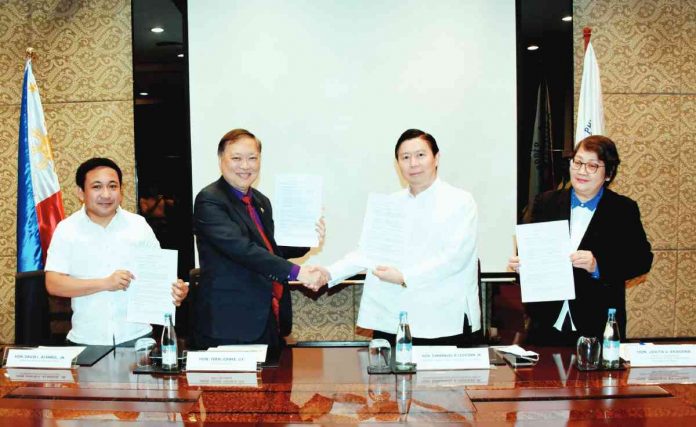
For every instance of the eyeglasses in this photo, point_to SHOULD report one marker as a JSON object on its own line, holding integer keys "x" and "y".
{"x": 589, "y": 167}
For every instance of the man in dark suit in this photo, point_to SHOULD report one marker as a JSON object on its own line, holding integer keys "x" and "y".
{"x": 243, "y": 294}
{"x": 610, "y": 247}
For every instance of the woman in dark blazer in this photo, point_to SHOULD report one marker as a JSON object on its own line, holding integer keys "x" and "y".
{"x": 609, "y": 244}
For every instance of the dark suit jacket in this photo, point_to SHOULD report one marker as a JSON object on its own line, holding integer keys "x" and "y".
{"x": 237, "y": 271}
{"x": 616, "y": 238}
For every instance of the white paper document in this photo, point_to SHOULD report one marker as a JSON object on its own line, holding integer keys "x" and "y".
{"x": 150, "y": 293}
{"x": 297, "y": 207}
{"x": 518, "y": 351}
{"x": 384, "y": 234}
{"x": 546, "y": 273}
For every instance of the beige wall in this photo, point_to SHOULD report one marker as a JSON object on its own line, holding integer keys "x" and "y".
{"x": 647, "y": 57}
{"x": 646, "y": 51}
{"x": 84, "y": 74}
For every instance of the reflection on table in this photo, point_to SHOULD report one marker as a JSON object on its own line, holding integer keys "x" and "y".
{"x": 331, "y": 385}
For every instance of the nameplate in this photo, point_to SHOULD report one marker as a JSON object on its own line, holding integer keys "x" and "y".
{"x": 221, "y": 361}
{"x": 222, "y": 379}
{"x": 435, "y": 358}
{"x": 47, "y": 358}
{"x": 461, "y": 378}
{"x": 662, "y": 375}
{"x": 40, "y": 375}
{"x": 663, "y": 355}
{"x": 258, "y": 349}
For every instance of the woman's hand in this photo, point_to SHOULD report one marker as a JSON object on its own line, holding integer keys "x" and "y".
{"x": 584, "y": 260}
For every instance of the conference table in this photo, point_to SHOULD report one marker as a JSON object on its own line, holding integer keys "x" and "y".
{"x": 330, "y": 385}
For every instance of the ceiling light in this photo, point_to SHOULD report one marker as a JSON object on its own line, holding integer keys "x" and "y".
{"x": 157, "y": 30}
{"x": 143, "y": 94}
{"x": 181, "y": 55}
{"x": 567, "y": 18}
{"x": 532, "y": 47}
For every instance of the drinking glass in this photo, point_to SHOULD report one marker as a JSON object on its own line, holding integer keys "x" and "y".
{"x": 588, "y": 350}
{"x": 143, "y": 349}
{"x": 379, "y": 356}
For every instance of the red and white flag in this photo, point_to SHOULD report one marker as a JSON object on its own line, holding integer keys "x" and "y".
{"x": 39, "y": 200}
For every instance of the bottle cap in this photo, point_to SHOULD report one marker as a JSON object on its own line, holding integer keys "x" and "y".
{"x": 403, "y": 315}
{"x": 612, "y": 311}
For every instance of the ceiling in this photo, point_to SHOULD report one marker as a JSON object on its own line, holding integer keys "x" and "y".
{"x": 156, "y": 64}
{"x": 540, "y": 19}
{"x": 157, "y": 68}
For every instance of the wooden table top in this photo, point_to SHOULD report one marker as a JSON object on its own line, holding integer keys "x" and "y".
{"x": 331, "y": 385}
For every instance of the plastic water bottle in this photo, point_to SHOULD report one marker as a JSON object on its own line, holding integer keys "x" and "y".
{"x": 611, "y": 341}
{"x": 170, "y": 360}
{"x": 404, "y": 343}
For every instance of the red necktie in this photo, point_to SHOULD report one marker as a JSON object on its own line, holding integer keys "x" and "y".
{"x": 277, "y": 286}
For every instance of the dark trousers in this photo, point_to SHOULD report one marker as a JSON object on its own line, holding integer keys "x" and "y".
{"x": 549, "y": 336}
{"x": 465, "y": 339}
{"x": 269, "y": 336}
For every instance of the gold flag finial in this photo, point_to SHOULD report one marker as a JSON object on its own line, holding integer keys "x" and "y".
{"x": 30, "y": 53}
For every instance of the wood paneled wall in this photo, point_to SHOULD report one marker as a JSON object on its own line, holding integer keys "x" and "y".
{"x": 84, "y": 73}
{"x": 646, "y": 51}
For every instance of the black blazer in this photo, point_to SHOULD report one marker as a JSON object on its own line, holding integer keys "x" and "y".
{"x": 236, "y": 269}
{"x": 616, "y": 238}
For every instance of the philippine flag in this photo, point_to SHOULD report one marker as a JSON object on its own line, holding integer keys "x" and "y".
{"x": 39, "y": 201}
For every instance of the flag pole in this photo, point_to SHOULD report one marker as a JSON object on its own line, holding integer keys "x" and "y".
{"x": 30, "y": 53}
{"x": 586, "y": 34}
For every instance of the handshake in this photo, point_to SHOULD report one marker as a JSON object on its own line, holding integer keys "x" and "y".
{"x": 313, "y": 276}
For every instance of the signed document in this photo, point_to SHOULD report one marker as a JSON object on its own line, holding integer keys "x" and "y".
{"x": 384, "y": 238}
{"x": 150, "y": 293}
{"x": 546, "y": 273}
{"x": 297, "y": 208}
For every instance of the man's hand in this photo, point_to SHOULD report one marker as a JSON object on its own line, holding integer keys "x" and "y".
{"x": 180, "y": 290}
{"x": 313, "y": 277}
{"x": 321, "y": 230}
{"x": 514, "y": 264}
{"x": 119, "y": 280}
{"x": 584, "y": 260}
{"x": 388, "y": 274}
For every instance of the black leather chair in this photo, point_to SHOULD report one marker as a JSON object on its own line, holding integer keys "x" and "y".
{"x": 40, "y": 319}
{"x": 194, "y": 278}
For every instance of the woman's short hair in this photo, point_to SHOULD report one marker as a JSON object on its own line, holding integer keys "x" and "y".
{"x": 416, "y": 133}
{"x": 606, "y": 151}
{"x": 235, "y": 135}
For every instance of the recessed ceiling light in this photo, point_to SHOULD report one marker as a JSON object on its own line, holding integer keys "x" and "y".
{"x": 567, "y": 18}
{"x": 181, "y": 55}
{"x": 143, "y": 94}
{"x": 157, "y": 30}
{"x": 532, "y": 47}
